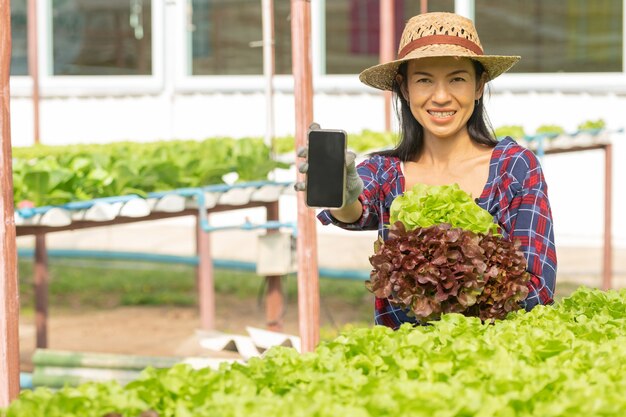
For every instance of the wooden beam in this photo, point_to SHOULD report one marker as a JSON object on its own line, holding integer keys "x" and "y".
{"x": 205, "y": 281}
{"x": 576, "y": 148}
{"x": 308, "y": 274}
{"x": 84, "y": 224}
{"x": 41, "y": 291}
{"x": 9, "y": 296}
{"x": 274, "y": 300}
{"x": 607, "y": 259}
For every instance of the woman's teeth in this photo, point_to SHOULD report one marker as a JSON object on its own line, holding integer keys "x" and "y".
{"x": 441, "y": 113}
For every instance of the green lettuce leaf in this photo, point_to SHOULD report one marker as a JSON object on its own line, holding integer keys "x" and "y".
{"x": 425, "y": 206}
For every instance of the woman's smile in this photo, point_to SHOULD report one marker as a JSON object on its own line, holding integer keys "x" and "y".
{"x": 442, "y": 116}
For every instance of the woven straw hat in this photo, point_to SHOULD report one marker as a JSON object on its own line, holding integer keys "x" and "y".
{"x": 437, "y": 35}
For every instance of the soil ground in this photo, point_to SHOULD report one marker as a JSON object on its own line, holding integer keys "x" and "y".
{"x": 163, "y": 331}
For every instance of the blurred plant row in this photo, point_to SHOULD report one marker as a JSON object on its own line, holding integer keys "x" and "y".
{"x": 48, "y": 175}
{"x": 52, "y": 175}
{"x": 548, "y": 131}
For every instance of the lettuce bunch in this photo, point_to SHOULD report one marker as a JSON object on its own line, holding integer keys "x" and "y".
{"x": 425, "y": 206}
{"x": 443, "y": 256}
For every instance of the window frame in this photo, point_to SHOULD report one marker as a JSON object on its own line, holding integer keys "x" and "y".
{"x": 349, "y": 83}
{"x": 186, "y": 83}
{"x": 171, "y": 55}
{"x": 92, "y": 85}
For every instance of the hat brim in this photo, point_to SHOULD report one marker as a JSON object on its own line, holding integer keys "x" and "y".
{"x": 382, "y": 76}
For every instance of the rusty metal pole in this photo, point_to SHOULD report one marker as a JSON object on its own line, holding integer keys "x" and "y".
{"x": 9, "y": 290}
{"x": 274, "y": 300}
{"x": 607, "y": 264}
{"x": 204, "y": 278}
{"x": 33, "y": 64}
{"x": 308, "y": 274}
{"x": 387, "y": 47}
{"x": 41, "y": 291}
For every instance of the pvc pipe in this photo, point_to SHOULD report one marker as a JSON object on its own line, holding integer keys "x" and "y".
{"x": 331, "y": 273}
{"x": 185, "y": 192}
{"x": 26, "y": 380}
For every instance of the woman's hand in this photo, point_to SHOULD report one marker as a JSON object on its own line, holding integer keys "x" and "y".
{"x": 353, "y": 186}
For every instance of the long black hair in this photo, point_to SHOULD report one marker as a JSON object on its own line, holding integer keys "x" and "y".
{"x": 412, "y": 133}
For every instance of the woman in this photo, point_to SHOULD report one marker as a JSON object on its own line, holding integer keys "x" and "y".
{"x": 439, "y": 79}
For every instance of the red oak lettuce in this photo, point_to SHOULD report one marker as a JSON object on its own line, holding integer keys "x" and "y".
{"x": 442, "y": 269}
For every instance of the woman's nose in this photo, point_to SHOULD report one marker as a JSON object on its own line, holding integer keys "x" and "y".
{"x": 441, "y": 94}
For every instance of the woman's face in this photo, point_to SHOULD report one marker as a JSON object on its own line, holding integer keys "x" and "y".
{"x": 441, "y": 92}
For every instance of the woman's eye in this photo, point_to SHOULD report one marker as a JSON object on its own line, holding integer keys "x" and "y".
{"x": 423, "y": 80}
{"x": 458, "y": 79}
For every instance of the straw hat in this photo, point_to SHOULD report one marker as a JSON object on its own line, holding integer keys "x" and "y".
{"x": 436, "y": 35}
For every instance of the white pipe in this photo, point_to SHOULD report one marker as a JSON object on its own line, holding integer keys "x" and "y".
{"x": 268, "y": 68}
{"x": 318, "y": 38}
{"x": 464, "y": 8}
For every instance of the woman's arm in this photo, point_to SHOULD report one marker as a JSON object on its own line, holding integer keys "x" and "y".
{"x": 531, "y": 223}
{"x": 350, "y": 213}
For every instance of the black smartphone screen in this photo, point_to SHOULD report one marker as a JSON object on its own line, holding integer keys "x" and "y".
{"x": 327, "y": 168}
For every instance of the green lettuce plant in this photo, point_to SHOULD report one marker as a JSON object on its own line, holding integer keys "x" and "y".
{"x": 425, "y": 206}
{"x": 53, "y": 175}
{"x": 558, "y": 361}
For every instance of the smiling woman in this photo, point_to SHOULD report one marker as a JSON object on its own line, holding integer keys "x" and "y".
{"x": 438, "y": 81}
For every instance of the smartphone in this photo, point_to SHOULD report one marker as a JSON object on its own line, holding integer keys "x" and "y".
{"x": 326, "y": 176}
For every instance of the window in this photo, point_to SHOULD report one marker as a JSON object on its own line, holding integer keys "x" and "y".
{"x": 95, "y": 37}
{"x": 554, "y": 35}
{"x": 353, "y": 28}
{"x": 226, "y": 37}
{"x": 19, "y": 40}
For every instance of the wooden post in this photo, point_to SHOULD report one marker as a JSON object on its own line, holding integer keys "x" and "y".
{"x": 205, "y": 283}
{"x": 423, "y": 6}
{"x": 41, "y": 291}
{"x": 33, "y": 64}
{"x": 607, "y": 264}
{"x": 387, "y": 47}
{"x": 308, "y": 278}
{"x": 274, "y": 300}
{"x": 9, "y": 289}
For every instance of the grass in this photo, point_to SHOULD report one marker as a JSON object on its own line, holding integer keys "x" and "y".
{"x": 106, "y": 284}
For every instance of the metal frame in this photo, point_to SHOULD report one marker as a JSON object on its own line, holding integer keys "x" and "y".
{"x": 206, "y": 294}
{"x": 607, "y": 248}
{"x": 308, "y": 273}
{"x": 9, "y": 289}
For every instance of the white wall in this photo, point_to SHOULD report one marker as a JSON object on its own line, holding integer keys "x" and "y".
{"x": 575, "y": 180}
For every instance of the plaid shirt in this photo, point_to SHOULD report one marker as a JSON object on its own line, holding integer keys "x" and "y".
{"x": 515, "y": 194}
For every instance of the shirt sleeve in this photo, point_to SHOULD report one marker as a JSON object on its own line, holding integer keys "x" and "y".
{"x": 531, "y": 224}
{"x": 369, "y": 198}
